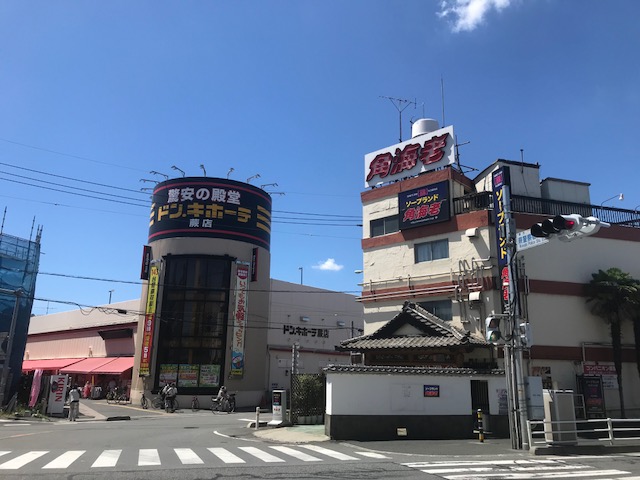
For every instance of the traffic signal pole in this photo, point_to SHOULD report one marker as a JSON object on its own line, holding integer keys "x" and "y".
{"x": 516, "y": 395}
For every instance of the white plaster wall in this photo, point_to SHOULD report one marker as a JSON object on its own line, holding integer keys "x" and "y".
{"x": 397, "y": 394}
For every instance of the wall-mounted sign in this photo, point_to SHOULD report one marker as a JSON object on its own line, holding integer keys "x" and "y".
{"x": 210, "y": 207}
{"x": 501, "y": 184}
{"x": 149, "y": 322}
{"x": 431, "y": 390}
{"x": 407, "y": 159}
{"x": 239, "y": 320}
{"x": 146, "y": 262}
{"x": 424, "y": 205}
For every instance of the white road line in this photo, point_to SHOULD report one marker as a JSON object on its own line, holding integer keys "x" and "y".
{"x": 225, "y": 455}
{"x": 148, "y": 457}
{"x": 371, "y": 454}
{"x": 261, "y": 455}
{"x": 108, "y": 458}
{"x": 22, "y": 460}
{"x": 66, "y": 459}
{"x": 4, "y": 452}
{"x": 329, "y": 453}
{"x": 297, "y": 454}
{"x": 188, "y": 456}
{"x": 530, "y": 476}
{"x": 468, "y": 463}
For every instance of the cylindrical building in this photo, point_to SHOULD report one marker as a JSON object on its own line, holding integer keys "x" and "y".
{"x": 206, "y": 301}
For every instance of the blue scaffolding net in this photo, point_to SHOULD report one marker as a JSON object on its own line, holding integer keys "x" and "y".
{"x": 19, "y": 260}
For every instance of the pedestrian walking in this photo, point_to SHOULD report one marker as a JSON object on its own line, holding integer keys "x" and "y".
{"x": 74, "y": 403}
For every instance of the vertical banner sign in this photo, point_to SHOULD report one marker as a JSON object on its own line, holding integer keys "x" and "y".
{"x": 149, "y": 321}
{"x": 57, "y": 394}
{"x": 239, "y": 320}
{"x": 254, "y": 264}
{"x": 501, "y": 182}
{"x": 146, "y": 262}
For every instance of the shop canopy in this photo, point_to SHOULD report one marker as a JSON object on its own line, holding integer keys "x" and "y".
{"x": 117, "y": 366}
{"x": 86, "y": 365}
{"x": 95, "y": 365}
{"x": 48, "y": 364}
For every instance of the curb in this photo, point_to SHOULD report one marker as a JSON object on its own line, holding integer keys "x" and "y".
{"x": 118, "y": 418}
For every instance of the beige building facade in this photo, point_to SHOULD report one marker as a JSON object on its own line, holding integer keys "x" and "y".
{"x": 447, "y": 263}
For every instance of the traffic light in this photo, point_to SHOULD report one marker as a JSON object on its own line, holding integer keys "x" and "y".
{"x": 567, "y": 227}
{"x": 492, "y": 329}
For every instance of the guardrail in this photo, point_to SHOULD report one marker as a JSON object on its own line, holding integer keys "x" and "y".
{"x": 584, "y": 432}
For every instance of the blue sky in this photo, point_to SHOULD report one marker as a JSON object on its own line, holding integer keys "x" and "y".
{"x": 97, "y": 95}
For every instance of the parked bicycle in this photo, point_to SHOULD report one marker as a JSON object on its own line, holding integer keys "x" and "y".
{"x": 144, "y": 403}
{"x": 195, "y": 403}
{"x": 157, "y": 401}
{"x": 115, "y": 396}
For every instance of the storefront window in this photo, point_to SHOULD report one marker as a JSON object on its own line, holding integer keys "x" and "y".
{"x": 193, "y": 322}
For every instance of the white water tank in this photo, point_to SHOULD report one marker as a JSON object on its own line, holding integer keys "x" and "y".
{"x": 424, "y": 125}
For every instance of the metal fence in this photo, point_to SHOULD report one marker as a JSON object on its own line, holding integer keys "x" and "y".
{"x": 541, "y": 206}
{"x": 611, "y": 431}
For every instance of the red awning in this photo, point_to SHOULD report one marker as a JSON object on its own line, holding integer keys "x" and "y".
{"x": 86, "y": 365}
{"x": 48, "y": 364}
{"x": 115, "y": 367}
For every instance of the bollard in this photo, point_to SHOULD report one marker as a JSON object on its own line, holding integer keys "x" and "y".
{"x": 257, "y": 417}
{"x": 480, "y": 426}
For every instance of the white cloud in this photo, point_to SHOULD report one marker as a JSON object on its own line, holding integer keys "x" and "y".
{"x": 329, "y": 264}
{"x": 468, "y": 14}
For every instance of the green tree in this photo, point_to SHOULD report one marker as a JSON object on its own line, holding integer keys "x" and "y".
{"x": 634, "y": 315}
{"x": 610, "y": 294}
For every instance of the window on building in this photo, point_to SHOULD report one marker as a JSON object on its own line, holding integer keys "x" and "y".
{"x": 383, "y": 226}
{"x": 428, "y": 251}
{"x": 440, "y": 308}
{"x": 192, "y": 322}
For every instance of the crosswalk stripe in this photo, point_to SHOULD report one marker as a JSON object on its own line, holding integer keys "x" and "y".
{"x": 4, "y": 452}
{"x": 371, "y": 454}
{"x": 297, "y": 454}
{"x": 22, "y": 460}
{"x": 225, "y": 455}
{"x": 148, "y": 457}
{"x": 108, "y": 458}
{"x": 188, "y": 456}
{"x": 531, "y": 476}
{"x": 66, "y": 459}
{"x": 329, "y": 453}
{"x": 259, "y": 454}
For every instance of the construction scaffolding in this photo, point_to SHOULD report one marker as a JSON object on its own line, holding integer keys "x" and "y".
{"x": 19, "y": 260}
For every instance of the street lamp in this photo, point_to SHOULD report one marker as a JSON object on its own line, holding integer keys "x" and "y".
{"x": 619, "y": 196}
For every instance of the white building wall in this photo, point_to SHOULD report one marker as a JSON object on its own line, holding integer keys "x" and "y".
{"x": 397, "y": 394}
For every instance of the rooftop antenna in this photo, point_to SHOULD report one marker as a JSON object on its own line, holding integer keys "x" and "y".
{"x": 401, "y": 104}
{"x": 257, "y": 175}
{"x": 203, "y": 169}
{"x": 229, "y": 172}
{"x": 4, "y": 215}
{"x": 146, "y": 180}
{"x": 179, "y": 169}
{"x": 268, "y": 185}
{"x": 153, "y": 172}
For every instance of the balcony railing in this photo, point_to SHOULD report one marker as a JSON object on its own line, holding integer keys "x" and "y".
{"x": 540, "y": 206}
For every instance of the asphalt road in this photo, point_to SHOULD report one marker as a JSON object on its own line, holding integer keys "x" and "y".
{"x": 151, "y": 444}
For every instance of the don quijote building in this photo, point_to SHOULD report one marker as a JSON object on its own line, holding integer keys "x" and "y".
{"x": 434, "y": 253}
{"x": 209, "y": 314}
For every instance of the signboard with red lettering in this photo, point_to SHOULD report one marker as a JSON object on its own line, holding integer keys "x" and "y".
{"x": 239, "y": 320}
{"x": 211, "y": 207}
{"x": 424, "y": 205}
{"x": 57, "y": 394}
{"x": 149, "y": 322}
{"x": 410, "y": 158}
{"x": 501, "y": 183}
